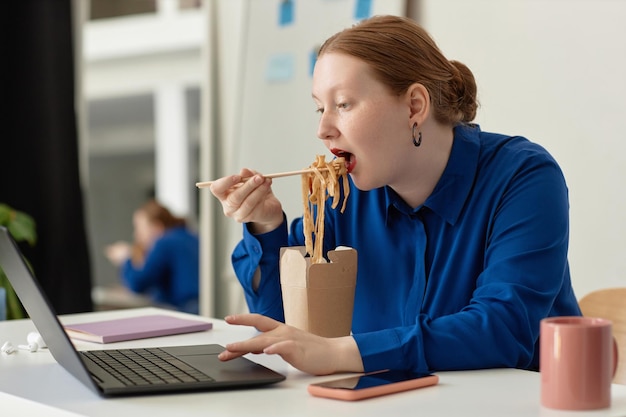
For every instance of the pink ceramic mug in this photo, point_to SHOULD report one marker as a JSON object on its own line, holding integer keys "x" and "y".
{"x": 578, "y": 358}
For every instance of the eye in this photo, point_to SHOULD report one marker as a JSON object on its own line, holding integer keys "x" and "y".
{"x": 342, "y": 105}
{"x": 319, "y": 110}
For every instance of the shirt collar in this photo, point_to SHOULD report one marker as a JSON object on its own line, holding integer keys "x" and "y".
{"x": 453, "y": 189}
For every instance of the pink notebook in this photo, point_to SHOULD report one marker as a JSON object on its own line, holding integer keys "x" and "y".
{"x": 118, "y": 330}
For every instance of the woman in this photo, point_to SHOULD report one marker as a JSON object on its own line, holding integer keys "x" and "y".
{"x": 164, "y": 260}
{"x": 461, "y": 235}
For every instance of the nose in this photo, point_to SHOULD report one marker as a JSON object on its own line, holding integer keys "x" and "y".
{"x": 326, "y": 128}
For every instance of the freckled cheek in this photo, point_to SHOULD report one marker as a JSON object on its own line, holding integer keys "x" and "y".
{"x": 366, "y": 128}
{"x": 357, "y": 129}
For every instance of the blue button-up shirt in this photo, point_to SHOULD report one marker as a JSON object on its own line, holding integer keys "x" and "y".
{"x": 460, "y": 282}
{"x": 170, "y": 273}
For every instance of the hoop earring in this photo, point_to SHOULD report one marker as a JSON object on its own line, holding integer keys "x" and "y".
{"x": 417, "y": 141}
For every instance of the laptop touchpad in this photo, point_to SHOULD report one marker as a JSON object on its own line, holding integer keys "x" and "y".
{"x": 194, "y": 350}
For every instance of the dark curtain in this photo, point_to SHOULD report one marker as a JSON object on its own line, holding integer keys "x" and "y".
{"x": 39, "y": 171}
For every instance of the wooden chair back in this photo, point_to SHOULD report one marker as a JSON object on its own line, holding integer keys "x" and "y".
{"x": 610, "y": 304}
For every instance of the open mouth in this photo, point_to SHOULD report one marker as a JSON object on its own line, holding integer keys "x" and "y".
{"x": 349, "y": 158}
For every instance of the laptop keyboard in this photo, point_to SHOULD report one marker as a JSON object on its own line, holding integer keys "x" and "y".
{"x": 150, "y": 366}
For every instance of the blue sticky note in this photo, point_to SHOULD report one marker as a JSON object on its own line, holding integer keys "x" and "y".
{"x": 362, "y": 9}
{"x": 280, "y": 67}
{"x": 286, "y": 12}
{"x": 312, "y": 59}
{"x": 3, "y": 304}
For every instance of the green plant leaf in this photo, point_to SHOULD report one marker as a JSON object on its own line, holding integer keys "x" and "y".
{"x": 5, "y": 214}
{"x": 22, "y": 227}
{"x": 14, "y": 308}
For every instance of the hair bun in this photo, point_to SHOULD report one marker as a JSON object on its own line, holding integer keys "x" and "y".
{"x": 464, "y": 86}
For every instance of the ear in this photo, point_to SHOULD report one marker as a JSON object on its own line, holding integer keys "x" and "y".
{"x": 419, "y": 103}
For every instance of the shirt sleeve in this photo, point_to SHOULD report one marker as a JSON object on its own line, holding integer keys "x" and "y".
{"x": 151, "y": 273}
{"x": 261, "y": 252}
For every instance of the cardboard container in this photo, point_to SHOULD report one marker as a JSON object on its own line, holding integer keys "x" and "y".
{"x": 319, "y": 298}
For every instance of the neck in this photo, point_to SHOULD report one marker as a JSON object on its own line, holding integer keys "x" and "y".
{"x": 426, "y": 164}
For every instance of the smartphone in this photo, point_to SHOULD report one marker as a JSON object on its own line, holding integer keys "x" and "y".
{"x": 371, "y": 384}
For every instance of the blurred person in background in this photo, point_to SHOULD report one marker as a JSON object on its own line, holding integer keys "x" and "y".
{"x": 163, "y": 262}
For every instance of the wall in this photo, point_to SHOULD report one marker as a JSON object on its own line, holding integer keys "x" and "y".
{"x": 554, "y": 71}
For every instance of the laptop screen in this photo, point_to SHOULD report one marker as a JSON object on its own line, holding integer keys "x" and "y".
{"x": 39, "y": 309}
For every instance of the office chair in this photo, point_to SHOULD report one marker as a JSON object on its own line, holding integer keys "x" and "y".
{"x": 610, "y": 304}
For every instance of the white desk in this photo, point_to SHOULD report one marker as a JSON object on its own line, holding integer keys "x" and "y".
{"x": 37, "y": 378}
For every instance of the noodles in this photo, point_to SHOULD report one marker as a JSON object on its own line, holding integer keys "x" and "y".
{"x": 317, "y": 187}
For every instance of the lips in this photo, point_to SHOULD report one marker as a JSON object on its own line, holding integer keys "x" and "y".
{"x": 349, "y": 158}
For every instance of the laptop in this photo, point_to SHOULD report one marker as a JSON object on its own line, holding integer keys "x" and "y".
{"x": 183, "y": 368}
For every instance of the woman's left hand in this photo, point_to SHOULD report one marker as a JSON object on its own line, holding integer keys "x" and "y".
{"x": 305, "y": 351}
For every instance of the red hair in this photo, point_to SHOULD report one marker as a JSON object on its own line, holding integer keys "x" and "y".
{"x": 401, "y": 53}
{"x": 157, "y": 213}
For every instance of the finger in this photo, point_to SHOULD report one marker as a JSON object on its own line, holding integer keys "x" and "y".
{"x": 260, "y": 322}
{"x": 259, "y": 206}
{"x": 245, "y": 189}
{"x": 285, "y": 348}
{"x": 228, "y": 355}
{"x": 243, "y": 200}
{"x": 220, "y": 187}
{"x": 247, "y": 172}
{"x": 255, "y": 345}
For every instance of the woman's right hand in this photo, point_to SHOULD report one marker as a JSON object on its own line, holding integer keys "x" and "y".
{"x": 118, "y": 252}
{"x": 251, "y": 201}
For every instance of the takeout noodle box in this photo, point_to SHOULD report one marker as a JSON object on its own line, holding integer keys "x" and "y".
{"x": 318, "y": 298}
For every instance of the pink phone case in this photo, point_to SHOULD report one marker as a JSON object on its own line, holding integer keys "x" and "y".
{"x": 318, "y": 390}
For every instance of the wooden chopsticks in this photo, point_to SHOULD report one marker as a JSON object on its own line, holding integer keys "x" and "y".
{"x": 206, "y": 184}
